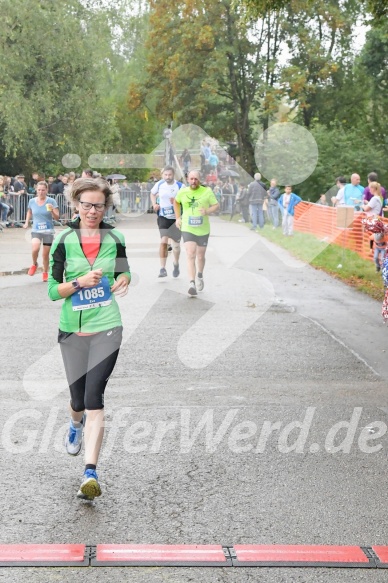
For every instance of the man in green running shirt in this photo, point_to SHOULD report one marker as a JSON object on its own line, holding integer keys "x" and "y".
{"x": 198, "y": 202}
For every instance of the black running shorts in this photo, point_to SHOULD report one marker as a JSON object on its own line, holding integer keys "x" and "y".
{"x": 168, "y": 228}
{"x": 201, "y": 240}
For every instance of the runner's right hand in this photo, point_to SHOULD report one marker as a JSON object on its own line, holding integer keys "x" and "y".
{"x": 91, "y": 278}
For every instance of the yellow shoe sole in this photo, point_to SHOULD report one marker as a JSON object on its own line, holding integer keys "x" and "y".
{"x": 89, "y": 490}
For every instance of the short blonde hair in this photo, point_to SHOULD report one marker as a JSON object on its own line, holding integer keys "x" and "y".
{"x": 81, "y": 185}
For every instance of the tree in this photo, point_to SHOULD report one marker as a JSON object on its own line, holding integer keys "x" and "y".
{"x": 209, "y": 65}
{"x": 54, "y": 57}
{"x": 378, "y": 8}
{"x": 318, "y": 37}
{"x": 343, "y": 150}
{"x": 140, "y": 128}
{"x": 372, "y": 64}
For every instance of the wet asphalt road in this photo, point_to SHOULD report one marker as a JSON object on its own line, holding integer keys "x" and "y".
{"x": 255, "y": 413}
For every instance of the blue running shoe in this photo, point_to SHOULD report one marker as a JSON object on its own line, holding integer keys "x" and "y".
{"x": 90, "y": 488}
{"x": 73, "y": 438}
{"x": 163, "y": 272}
{"x": 176, "y": 271}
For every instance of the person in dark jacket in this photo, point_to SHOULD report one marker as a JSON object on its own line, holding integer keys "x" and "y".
{"x": 185, "y": 161}
{"x": 257, "y": 194}
{"x": 243, "y": 202}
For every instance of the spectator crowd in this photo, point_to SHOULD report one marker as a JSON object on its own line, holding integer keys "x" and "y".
{"x": 256, "y": 203}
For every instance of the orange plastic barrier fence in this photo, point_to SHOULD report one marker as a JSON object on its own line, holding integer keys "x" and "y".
{"x": 323, "y": 221}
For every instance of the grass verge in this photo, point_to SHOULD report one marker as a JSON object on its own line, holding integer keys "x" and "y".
{"x": 357, "y": 272}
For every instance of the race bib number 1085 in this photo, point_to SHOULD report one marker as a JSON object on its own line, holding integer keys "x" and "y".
{"x": 97, "y": 296}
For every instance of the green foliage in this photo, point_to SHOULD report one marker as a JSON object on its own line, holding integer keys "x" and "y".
{"x": 138, "y": 129}
{"x": 211, "y": 66}
{"x": 379, "y": 9}
{"x": 91, "y": 76}
{"x": 372, "y": 64}
{"x": 340, "y": 97}
{"x": 259, "y": 8}
{"x": 50, "y": 82}
{"x": 63, "y": 83}
{"x": 343, "y": 151}
{"x": 318, "y": 36}
{"x": 217, "y": 67}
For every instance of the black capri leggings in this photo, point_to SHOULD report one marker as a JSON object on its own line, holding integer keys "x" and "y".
{"x": 89, "y": 362}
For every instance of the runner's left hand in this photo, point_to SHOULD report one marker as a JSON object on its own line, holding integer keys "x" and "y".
{"x": 120, "y": 287}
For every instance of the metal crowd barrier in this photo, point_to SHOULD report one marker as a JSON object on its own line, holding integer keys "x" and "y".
{"x": 19, "y": 202}
{"x": 65, "y": 209}
{"x": 134, "y": 202}
{"x": 131, "y": 202}
{"x": 227, "y": 202}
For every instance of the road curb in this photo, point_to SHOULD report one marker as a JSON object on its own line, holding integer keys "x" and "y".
{"x": 19, "y": 272}
{"x": 23, "y": 271}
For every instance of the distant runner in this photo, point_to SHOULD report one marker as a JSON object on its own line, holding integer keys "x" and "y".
{"x": 42, "y": 209}
{"x": 166, "y": 191}
{"x": 198, "y": 202}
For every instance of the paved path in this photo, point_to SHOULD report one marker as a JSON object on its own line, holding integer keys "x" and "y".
{"x": 222, "y": 413}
